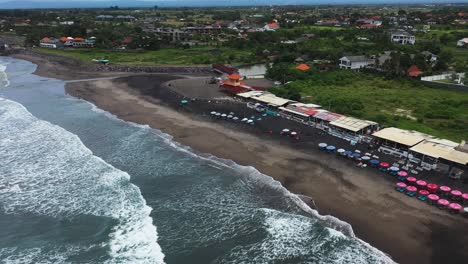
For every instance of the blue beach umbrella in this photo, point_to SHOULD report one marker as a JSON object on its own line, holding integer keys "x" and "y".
{"x": 331, "y": 148}
{"x": 356, "y": 155}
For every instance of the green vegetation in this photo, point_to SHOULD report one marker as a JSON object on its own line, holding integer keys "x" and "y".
{"x": 168, "y": 56}
{"x": 402, "y": 103}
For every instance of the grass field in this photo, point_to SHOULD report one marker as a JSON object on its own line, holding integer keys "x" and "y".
{"x": 173, "y": 56}
{"x": 402, "y": 103}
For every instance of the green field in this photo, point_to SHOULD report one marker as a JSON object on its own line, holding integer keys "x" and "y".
{"x": 402, "y": 103}
{"x": 172, "y": 56}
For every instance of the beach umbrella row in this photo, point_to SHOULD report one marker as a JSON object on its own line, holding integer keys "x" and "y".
{"x": 231, "y": 116}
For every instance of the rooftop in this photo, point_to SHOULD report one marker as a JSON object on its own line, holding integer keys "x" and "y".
{"x": 351, "y": 123}
{"x": 404, "y": 137}
{"x": 444, "y": 149}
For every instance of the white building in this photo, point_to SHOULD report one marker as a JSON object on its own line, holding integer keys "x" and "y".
{"x": 462, "y": 42}
{"x": 354, "y": 62}
{"x": 402, "y": 37}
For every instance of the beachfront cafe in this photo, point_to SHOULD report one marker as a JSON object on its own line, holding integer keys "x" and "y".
{"x": 397, "y": 142}
{"x": 323, "y": 118}
{"x": 440, "y": 154}
{"x": 351, "y": 129}
{"x": 269, "y": 101}
{"x": 299, "y": 112}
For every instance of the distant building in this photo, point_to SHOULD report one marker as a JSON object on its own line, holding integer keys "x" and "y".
{"x": 355, "y": 62}
{"x": 50, "y": 43}
{"x": 402, "y": 37}
{"x": 104, "y": 17}
{"x": 271, "y": 27}
{"x": 462, "y": 42}
{"x": 69, "y": 23}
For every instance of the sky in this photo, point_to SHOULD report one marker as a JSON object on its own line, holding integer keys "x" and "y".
{"x": 104, "y": 3}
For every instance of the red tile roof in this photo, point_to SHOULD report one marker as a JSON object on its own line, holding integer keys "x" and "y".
{"x": 414, "y": 71}
{"x": 303, "y": 67}
{"x": 234, "y": 76}
{"x": 273, "y": 25}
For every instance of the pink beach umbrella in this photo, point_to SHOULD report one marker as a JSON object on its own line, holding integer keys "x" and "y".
{"x": 442, "y": 203}
{"x": 421, "y": 183}
{"x": 465, "y": 198}
{"x": 444, "y": 190}
{"x": 384, "y": 165}
{"x": 411, "y": 180}
{"x": 455, "y": 208}
{"x": 411, "y": 189}
{"x": 433, "y": 197}
{"x": 402, "y": 173}
{"x": 432, "y": 187}
{"x": 401, "y": 184}
{"x": 423, "y": 192}
{"x": 456, "y": 194}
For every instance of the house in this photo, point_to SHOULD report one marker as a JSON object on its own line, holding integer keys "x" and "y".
{"x": 430, "y": 57}
{"x": 271, "y": 27}
{"x": 303, "y": 67}
{"x": 462, "y": 42}
{"x": 50, "y": 43}
{"x": 402, "y": 37}
{"x": 355, "y": 62}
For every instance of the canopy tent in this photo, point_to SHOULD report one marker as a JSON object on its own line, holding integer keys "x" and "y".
{"x": 400, "y": 136}
{"x": 352, "y": 124}
{"x": 444, "y": 149}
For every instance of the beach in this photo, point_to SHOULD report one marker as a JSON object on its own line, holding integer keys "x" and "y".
{"x": 405, "y": 228}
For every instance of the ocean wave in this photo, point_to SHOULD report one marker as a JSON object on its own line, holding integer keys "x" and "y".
{"x": 4, "y": 81}
{"x": 47, "y": 171}
{"x": 337, "y": 228}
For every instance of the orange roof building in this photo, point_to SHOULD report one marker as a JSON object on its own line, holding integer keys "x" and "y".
{"x": 303, "y": 67}
{"x": 63, "y": 39}
{"x": 45, "y": 39}
{"x": 78, "y": 39}
{"x": 414, "y": 71}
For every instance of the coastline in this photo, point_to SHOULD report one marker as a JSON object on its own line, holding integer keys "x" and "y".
{"x": 404, "y": 228}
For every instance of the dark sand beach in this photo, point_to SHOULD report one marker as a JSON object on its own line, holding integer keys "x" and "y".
{"x": 405, "y": 228}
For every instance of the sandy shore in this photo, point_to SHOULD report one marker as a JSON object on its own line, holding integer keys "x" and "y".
{"x": 407, "y": 229}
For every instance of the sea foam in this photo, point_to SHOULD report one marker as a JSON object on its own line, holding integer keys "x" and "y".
{"x": 47, "y": 171}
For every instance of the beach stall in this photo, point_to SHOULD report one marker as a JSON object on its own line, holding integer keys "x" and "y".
{"x": 323, "y": 118}
{"x": 422, "y": 195}
{"x": 433, "y": 198}
{"x": 444, "y": 190}
{"x": 421, "y": 184}
{"x": 442, "y": 203}
{"x": 393, "y": 170}
{"x": 456, "y": 195}
{"x": 374, "y": 163}
{"x": 441, "y": 154}
{"x": 298, "y": 111}
{"x": 322, "y": 146}
{"x": 402, "y": 175}
{"x": 383, "y": 166}
{"x": 350, "y": 128}
{"x": 432, "y": 187}
{"x": 411, "y": 191}
{"x": 411, "y": 180}
{"x": 341, "y": 152}
{"x": 400, "y": 186}
{"x": 397, "y": 142}
{"x": 455, "y": 208}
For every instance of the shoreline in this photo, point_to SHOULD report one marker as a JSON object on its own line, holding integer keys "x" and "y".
{"x": 404, "y": 228}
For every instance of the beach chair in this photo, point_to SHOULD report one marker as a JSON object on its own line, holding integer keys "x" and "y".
{"x": 411, "y": 194}
{"x": 422, "y": 198}
{"x": 400, "y": 189}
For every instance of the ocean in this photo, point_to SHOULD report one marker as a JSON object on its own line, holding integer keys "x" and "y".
{"x": 78, "y": 185}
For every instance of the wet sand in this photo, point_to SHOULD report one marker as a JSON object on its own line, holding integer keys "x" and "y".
{"x": 407, "y": 229}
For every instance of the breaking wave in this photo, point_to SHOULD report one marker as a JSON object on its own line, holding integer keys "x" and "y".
{"x": 47, "y": 171}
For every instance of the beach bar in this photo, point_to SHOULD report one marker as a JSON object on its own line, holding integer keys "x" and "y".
{"x": 397, "y": 142}
{"x": 440, "y": 154}
{"x": 350, "y": 128}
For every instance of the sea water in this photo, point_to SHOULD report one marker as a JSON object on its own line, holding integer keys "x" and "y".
{"x": 78, "y": 185}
